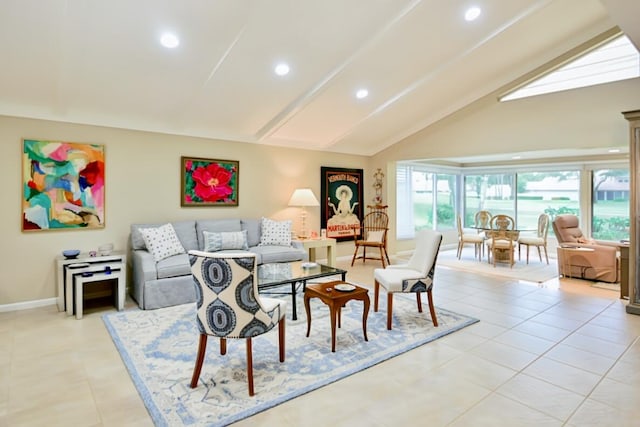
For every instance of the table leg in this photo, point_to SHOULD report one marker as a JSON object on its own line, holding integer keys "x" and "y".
{"x": 294, "y": 315}
{"x": 308, "y": 310}
{"x": 333, "y": 312}
{"x": 365, "y": 313}
{"x": 312, "y": 254}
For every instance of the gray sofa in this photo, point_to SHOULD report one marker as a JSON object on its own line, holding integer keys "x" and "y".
{"x": 168, "y": 282}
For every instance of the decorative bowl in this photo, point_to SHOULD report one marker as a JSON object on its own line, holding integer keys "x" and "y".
{"x": 71, "y": 253}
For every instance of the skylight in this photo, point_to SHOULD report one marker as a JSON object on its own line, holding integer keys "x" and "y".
{"x": 613, "y": 61}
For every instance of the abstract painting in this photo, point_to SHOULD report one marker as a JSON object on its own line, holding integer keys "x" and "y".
{"x": 62, "y": 185}
{"x": 209, "y": 182}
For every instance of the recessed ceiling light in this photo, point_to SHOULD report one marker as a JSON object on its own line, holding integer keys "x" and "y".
{"x": 614, "y": 150}
{"x": 516, "y": 157}
{"x": 282, "y": 69}
{"x": 472, "y": 13}
{"x": 169, "y": 40}
{"x": 362, "y": 93}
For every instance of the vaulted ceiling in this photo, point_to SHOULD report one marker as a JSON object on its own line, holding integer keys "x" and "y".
{"x": 100, "y": 62}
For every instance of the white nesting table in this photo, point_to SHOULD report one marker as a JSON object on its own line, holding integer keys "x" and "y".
{"x": 73, "y": 274}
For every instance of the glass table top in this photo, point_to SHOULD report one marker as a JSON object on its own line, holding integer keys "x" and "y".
{"x": 279, "y": 273}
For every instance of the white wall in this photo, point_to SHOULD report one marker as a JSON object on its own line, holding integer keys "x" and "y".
{"x": 143, "y": 185}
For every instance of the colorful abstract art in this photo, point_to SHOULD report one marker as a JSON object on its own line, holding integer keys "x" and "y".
{"x": 63, "y": 185}
{"x": 209, "y": 182}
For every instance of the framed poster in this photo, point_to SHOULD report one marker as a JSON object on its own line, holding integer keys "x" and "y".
{"x": 342, "y": 205}
{"x": 62, "y": 185}
{"x": 209, "y": 182}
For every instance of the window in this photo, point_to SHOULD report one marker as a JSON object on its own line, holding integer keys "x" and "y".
{"x": 610, "y": 204}
{"x": 493, "y": 192}
{"x": 426, "y": 199}
{"x": 613, "y": 61}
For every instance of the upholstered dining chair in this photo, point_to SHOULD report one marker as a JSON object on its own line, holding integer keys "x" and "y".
{"x": 372, "y": 234}
{"x": 501, "y": 239}
{"x": 229, "y": 306}
{"x": 482, "y": 220}
{"x": 477, "y": 240}
{"x": 539, "y": 240}
{"x": 416, "y": 276}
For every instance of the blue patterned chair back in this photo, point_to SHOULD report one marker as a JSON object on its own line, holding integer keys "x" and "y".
{"x": 228, "y": 304}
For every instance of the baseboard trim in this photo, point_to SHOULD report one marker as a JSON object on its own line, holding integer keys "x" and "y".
{"x": 27, "y": 305}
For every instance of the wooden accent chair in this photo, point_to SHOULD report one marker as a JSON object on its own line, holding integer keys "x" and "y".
{"x": 475, "y": 239}
{"x": 229, "y": 306}
{"x": 415, "y": 276}
{"x": 501, "y": 239}
{"x": 372, "y": 234}
{"x": 539, "y": 240}
{"x": 482, "y": 220}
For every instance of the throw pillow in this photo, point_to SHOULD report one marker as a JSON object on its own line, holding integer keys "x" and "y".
{"x": 225, "y": 240}
{"x": 162, "y": 241}
{"x": 375, "y": 236}
{"x": 276, "y": 233}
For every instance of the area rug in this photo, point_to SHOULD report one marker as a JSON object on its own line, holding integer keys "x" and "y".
{"x": 159, "y": 347}
{"x": 535, "y": 271}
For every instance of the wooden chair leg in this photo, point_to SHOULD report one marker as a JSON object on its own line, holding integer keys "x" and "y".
{"x": 250, "y": 366}
{"x": 355, "y": 254}
{"x": 389, "y": 309}
{"x": 459, "y": 249}
{"x": 223, "y": 346}
{"x": 376, "y": 291}
{"x": 419, "y": 302}
{"x": 202, "y": 347}
{"x": 432, "y": 309}
{"x": 539, "y": 253}
{"x": 281, "y": 341}
{"x": 382, "y": 257}
{"x": 546, "y": 255}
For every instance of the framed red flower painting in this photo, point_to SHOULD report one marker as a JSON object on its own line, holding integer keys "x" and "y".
{"x": 209, "y": 182}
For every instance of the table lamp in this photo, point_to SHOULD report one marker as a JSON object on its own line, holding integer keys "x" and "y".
{"x": 303, "y": 197}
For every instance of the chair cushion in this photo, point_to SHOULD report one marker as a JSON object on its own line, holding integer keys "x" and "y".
{"x": 375, "y": 236}
{"x": 392, "y": 278}
{"x": 174, "y": 266}
{"x": 531, "y": 240}
{"x": 473, "y": 238}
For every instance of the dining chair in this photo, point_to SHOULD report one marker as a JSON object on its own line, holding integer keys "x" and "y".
{"x": 482, "y": 220}
{"x": 228, "y": 305}
{"x": 539, "y": 240}
{"x": 501, "y": 239}
{"x": 477, "y": 240}
{"x": 372, "y": 234}
{"x": 416, "y": 276}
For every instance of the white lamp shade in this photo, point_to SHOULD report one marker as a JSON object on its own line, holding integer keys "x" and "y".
{"x": 303, "y": 197}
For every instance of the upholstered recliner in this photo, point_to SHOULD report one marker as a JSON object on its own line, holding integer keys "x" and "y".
{"x": 601, "y": 264}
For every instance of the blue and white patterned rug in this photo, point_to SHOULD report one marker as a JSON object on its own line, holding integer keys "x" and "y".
{"x": 159, "y": 349}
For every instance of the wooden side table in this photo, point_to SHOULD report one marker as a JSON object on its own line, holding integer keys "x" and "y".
{"x": 336, "y": 299}
{"x": 310, "y": 246}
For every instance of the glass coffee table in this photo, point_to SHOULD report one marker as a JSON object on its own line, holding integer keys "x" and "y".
{"x": 296, "y": 274}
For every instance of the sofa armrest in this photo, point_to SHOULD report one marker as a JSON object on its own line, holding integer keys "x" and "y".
{"x": 297, "y": 244}
{"x": 143, "y": 269}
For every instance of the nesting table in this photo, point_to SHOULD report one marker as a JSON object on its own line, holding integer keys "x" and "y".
{"x": 73, "y": 274}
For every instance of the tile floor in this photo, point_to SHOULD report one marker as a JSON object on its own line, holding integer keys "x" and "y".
{"x": 557, "y": 354}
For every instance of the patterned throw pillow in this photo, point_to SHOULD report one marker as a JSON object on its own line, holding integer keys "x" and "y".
{"x": 162, "y": 241}
{"x": 276, "y": 233}
{"x": 225, "y": 240}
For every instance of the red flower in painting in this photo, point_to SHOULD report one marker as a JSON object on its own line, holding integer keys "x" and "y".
{"x": 212, "y": 182}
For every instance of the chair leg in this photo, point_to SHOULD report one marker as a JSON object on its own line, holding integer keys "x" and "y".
{"x": 527, "y": 254}
{"x": 376, "y": 290}
{"x": 419, "y": 301}
{"x": 355, "y": 254}
{"x": 389, "y": 309}
{"x": 202, "y": 347}
{"x": 250, "y": 366}
{"x": 459, "y": 249}
{"x": 432, "y": 309}
{"x": 281, "y": 341}
{"x": 223, "y": 346}
{"x": 520, "y": 247}
{"x": 546, "y": 255}
{"x": 382, "y": 257}
{"x": 539, "y": 253}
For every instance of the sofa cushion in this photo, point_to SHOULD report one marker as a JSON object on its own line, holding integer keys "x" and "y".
{"x": 162, "y": 241}
{"x": 224, "y": 240}
{"x": 174, "y": 266}
{"x": 275, "y": 253}
{"x": 253, "y": 231}
{"x": 275, "y": 232}
{"x": 186, "y": 231}
{"x": 215, "y": 226}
